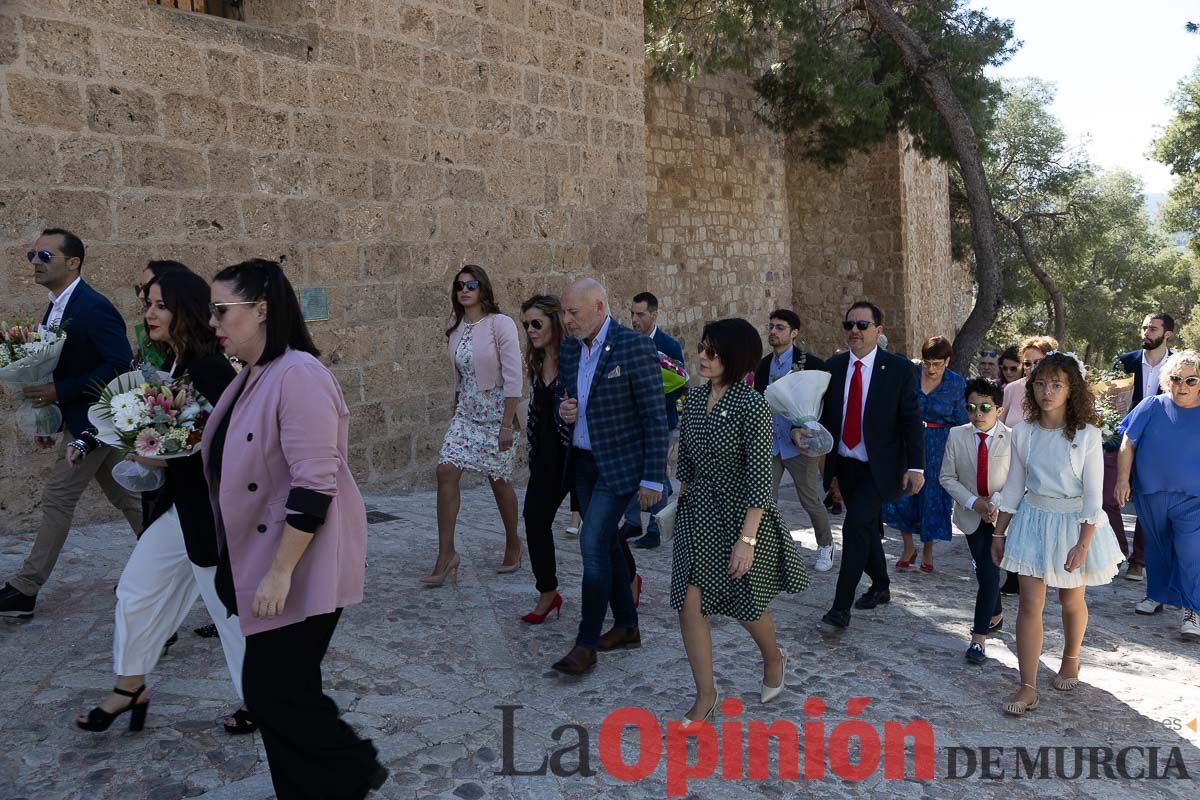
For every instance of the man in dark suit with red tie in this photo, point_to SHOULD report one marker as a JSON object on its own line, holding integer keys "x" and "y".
{"x": 871, "y": 409}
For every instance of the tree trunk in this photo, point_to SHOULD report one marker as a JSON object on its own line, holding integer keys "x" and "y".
{"x": 922, "y": 65}
{"x": 1058, "y": 311}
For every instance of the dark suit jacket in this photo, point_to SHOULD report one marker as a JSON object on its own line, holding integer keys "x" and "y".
{"x": 96, "y": 352}
{"x": 627, "y": 423}
{"x": 1132, "y": 364}
{"x": 186, "y": 487}
{"x": 892, "y": 428}
{"x": 762, "y": 375}
{"x": 671, "y": 347}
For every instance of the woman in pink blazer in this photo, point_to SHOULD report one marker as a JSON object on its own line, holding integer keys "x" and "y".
{"x": 485, "y": 362}
{"x": 291, "y": 530}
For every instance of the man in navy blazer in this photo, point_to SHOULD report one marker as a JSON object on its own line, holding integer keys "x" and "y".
{"x": 1144, "y": 365}
{"x": 871, "y": 409}
{"x": 619, "y": 451}
{"x": 96, "y": 351}
{"x": 643, "y": 314}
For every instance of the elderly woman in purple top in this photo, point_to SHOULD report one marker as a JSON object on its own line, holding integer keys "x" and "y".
{"x": 291, "y": 529}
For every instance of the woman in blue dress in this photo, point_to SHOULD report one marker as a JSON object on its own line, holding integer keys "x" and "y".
{"x": 927, "y": 513}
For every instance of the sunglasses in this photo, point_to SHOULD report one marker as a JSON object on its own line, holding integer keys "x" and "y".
{"x": 1030, "y": 364}
{"x": 536, "y": 324}
{"x": 861, "y": 324}
{"x": 989, "y": 354}
{"x": 44, "y": 256}
{"x": 984, "y": 407}
{"x": 467, "y": 286}
{"x": 1190, "y": 380}
{"x": 218, "y": 309}
{"x": 706, "y": 350}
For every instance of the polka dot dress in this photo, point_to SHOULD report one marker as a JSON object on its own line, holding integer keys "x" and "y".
{"x": 725, "y": 460}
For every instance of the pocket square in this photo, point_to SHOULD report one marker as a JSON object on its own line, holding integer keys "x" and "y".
{"x": 616, "y": 373}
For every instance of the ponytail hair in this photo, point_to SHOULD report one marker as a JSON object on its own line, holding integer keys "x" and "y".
{"x": 260, "y": 279}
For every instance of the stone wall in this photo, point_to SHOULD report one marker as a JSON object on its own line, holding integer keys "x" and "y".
{"x": 376, "y": 144}
{"x": 716, "y": 205}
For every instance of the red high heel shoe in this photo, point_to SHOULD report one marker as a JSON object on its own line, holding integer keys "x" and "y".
{"x": 538, "y": 619}
{"x": 902, "y": 564}
{"x": 637, "y": 596}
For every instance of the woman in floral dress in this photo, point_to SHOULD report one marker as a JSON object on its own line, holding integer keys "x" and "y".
{"x": 732, "y": 553}
{"x": 485, "y": 355}
{"x": 927, "y": 513}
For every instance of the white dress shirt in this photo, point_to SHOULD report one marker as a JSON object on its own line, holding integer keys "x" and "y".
{"x": 859, "y": 453}
{"x": 990, "y": 434}
{"x": 1150, "y": 374}
{"x": 58, "y": 305}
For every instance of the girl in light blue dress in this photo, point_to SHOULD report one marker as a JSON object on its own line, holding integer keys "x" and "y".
{"x": 1052, "y": 530}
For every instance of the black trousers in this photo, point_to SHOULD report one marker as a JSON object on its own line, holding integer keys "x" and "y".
{"x": 862, "y": 550}
{"x": 543, "y": 496}
{"x": 987, "y": 575}
{"x": 312, "y": 753}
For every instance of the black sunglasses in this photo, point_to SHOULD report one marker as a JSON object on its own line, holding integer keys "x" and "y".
{"x": 45, "y": 256}
{"x": 706, "y": 350}
{"x": 989, "y": 354}
{"x": 536, "y": 324}
{"x": 861, "y": 324}
{"x": 1190, "y": 380}
{"x": 984, "y": 407}
{"x": 469, "y": 286}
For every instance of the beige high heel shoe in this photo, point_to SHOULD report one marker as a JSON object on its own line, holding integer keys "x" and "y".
{"x": 439, "y": 578}
{"x": 505, "y": 569}
{"x": 1065, "y": 684}
{"x": 769, "y": 693}
{"x": 686, "y": 721}
{"x": 1019, "y": 707}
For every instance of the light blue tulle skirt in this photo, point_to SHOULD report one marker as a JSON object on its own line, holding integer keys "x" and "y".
{"x": 1044, "y": 530}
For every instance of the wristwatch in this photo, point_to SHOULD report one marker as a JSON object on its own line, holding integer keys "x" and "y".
{"x": 750, "y": 541}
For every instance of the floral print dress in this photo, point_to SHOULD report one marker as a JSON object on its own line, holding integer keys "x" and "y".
{"x": 473, "y": 439}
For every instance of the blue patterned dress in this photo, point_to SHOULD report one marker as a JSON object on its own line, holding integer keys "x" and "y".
{"x": 927, "y": 513}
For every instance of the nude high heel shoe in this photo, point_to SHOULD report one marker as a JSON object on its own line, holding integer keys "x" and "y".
{"x": 439, "y": 578}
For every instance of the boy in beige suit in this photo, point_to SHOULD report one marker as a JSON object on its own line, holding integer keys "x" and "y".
{"x": 973, "y": 473}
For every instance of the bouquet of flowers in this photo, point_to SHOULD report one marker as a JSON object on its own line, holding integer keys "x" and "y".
{"x": 1111, "y": 389}
{"x": 674, "y": 376}
{"x": 153, "y": 415}
{"x": 28, "y": 355}
{"x": 797, "y": 396}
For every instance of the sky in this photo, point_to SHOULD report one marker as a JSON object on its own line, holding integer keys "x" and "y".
{"x": 1115, "y": 64}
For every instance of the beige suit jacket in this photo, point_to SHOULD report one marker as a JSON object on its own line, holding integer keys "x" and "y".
{"x": 959, "y": 469}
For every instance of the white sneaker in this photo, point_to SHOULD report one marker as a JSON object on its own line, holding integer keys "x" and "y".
{"x": 824, "y": 558}
{"x": 1190, "y": 629}
{"x": 1148, "y": 606}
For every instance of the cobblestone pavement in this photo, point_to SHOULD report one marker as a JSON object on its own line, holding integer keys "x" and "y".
{"x": 421, "y": 671}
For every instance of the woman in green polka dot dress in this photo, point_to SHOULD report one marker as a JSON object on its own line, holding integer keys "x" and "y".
{"x": 732, "y": 554}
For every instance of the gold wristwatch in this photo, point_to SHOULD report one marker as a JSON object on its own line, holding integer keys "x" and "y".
{"x": 750, "y": 541}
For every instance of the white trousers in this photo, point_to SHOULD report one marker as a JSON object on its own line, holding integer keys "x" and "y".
{"x": 155, "y": 593}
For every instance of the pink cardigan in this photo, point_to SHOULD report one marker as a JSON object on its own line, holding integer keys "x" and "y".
{"x": 1014, "y": 402}
{"x": 289, "y": 429}
{"x": 497, "y": 354}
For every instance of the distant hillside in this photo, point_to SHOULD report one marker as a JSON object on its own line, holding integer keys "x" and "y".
{"x": 1153, "y": 203}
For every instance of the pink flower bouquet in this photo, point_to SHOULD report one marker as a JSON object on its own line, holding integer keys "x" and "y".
{"x": 28, "y": 355}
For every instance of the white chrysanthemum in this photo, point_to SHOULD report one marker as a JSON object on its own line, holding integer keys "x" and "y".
{"x": 125, "y": 422}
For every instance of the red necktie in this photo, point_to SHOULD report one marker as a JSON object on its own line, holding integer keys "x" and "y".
{"x": 981, "y": 476}
{"x": 852, "y": 427}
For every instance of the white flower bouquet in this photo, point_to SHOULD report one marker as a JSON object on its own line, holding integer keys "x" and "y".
{"x": 797, "y": 396}
{"x": 28, "y": 355}
{"x": 153, "y": 415}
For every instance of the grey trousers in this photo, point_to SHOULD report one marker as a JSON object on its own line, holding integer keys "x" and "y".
{"x": 64, "y": 487}
{"x": 803, "y": 470}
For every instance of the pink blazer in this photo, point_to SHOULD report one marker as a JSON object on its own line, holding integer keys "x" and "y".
{"x": 289, "y": 429}
{"x": 497, "y": 354}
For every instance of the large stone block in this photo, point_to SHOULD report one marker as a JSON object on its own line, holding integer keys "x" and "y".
{"x": 88, "y": 214}
{"x": 44, "y": 101}
{"x": 121, "y": 111}
{"x": 164, "y": 166}
{"x": 191, "y": 118}
{"x": 146, "y": 216}
{"x": 26, "y": 155}
{"x": 9, "y": 44}
{"x": 59, "y": 47}
{"x": 88, "y": 161}
{"x": 163, "y": 63}
{"x": 259, "y": 128}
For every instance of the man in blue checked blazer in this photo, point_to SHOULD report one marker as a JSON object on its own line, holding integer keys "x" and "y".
{"x": 619, "y": 449}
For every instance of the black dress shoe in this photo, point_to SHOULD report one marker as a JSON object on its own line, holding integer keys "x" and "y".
{"x": 648, "y": 542}
{"x": 14, "y": 603}
{"x": 873, "y": 598}
{"x": 837, "y": 619}
{"x": 631, "y": 531}
{"x": 576, "y": 662}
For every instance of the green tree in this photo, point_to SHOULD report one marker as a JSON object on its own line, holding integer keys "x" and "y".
{"x": 839, "y": 76}
{"x": 1179, "y": 148}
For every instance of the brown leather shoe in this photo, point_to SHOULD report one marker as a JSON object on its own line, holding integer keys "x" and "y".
{"x": 621, "y": 638}
{"x": 576, "y": 662}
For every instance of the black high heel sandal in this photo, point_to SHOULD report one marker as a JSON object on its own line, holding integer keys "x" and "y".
{"x": 99, "y": 720}
{"x": 243, "y": 722}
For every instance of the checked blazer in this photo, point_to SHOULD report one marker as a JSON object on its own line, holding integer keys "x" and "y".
{"x": 626, "y": 416}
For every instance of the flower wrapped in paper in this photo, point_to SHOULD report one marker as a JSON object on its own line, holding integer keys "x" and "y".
{"x": 674, "y": 375}
{"x": 797, "y": 396}
{"x": 152, "y": 415}
{"x": 28, "y": 355}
